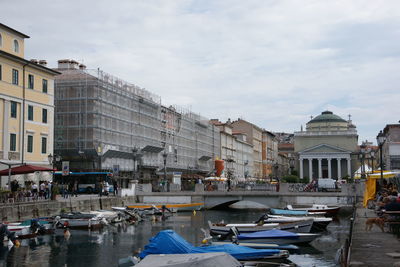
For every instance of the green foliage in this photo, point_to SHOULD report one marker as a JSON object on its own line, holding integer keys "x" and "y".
{"x": 290, "y": 179}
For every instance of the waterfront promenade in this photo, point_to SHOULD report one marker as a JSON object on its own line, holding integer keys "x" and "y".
{"x": 372, "y": 248}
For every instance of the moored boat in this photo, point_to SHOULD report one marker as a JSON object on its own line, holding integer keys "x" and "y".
{"x": 79, "y": 220}
{"x": 288, "y": 212}
{"x": 298, "y": 226}
{"x": 330, "y": 210}
{"x": 319, "y": 223}
{"x": 169, "y": 242}
{"x": 277, "y": 237}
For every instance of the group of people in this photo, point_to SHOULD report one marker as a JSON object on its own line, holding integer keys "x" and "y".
{"x": 33, "y": 191}
{"x": 104, "y": 188}
{"x": 388, "y": 198}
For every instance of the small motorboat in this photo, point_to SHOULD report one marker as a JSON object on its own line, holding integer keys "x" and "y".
{"x": 298, "y": 226}
{"x": 169, "y": 242}
{"x": 288, "y": 212}
{"x": 330, "y": 210}
{"x": 276, "y": 236}
{"x": 319, "y": 223}
{"x": 78, "y": 220}
{"x": 174, "y": 207}
{"x": 30, "y": 228}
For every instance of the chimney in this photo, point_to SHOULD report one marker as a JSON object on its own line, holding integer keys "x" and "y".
{"x": 34, "y": 61}
{"x": 82, "y": 66}
{"x": 73, "y": 64}
{"x": 63, "y": 64}
{"x": 43, "y": 63}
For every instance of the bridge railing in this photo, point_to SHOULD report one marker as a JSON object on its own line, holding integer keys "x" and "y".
{"x": 255, "y": 187}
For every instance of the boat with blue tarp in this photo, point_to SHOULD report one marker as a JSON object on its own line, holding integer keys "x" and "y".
{"x": 169, "y": 242}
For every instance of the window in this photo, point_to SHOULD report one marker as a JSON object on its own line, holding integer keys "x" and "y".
{"x": 13, "y": 142}
{"x": 44, "y": 145}
{"x": 1, "y": 41}
{"x": 44, "y": 86}
{"x": 30, "y": 113}
{"x": 30, "y": 81}
{"x": 13, "y": 109}
{"x": 0, "y": 72}
{"x": 16, "y": 46}
{"x": 15, "y": 76}
{"x": 44, "y": 115}
{"x": 30, "y": 144}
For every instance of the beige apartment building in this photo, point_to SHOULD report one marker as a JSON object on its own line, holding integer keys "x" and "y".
{"x": 254, "y": 137}
{"x": 26, "y": 104}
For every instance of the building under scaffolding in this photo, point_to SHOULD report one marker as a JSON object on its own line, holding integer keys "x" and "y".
{"x": 102, "y": 121}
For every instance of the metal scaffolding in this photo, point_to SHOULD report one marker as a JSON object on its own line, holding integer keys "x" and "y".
{"x": 100, "y": 118}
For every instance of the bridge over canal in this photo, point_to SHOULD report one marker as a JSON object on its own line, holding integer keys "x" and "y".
{"x": 220, "y": 199}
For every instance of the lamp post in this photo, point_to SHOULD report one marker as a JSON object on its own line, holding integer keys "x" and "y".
{"x": 53, "y": 161}
{"x": 372, "y": 155}
{"x": 362, "y": 156}
{"x": 381, "y": 140}
{"x": 165, "y": 155}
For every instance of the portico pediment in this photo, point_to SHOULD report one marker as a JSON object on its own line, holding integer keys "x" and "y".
{"x": 324, "y": 148}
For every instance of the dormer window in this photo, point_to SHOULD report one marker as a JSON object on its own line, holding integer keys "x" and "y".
{"x": 16, "y": 46}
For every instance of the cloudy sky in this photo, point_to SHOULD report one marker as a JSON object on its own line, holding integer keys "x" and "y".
{"x": 272, "y": 62}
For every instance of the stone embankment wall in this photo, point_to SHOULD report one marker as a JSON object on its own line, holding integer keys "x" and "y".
{"x": 22, "y": 211}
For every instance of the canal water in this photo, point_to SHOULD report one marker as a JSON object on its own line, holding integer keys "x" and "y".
{"x": 106, "y": 247}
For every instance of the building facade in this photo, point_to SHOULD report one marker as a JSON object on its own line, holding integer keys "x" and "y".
{"x": 244, "y": 156}
{"x": 391, "y": 147}
{"x": 103, "y": 121}
{"x": 327, "y": 148}
{"x": 27, "y": 105}
{"x": 269, "y": 153}
{"x": 254, "y": 137}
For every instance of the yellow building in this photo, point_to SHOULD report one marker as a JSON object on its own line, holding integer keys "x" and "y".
{"x": 26, "y": 104}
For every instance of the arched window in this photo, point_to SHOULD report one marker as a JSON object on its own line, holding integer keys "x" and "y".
{"x": 16, "y": 46}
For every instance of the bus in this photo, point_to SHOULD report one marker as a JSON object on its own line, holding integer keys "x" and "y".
{"x": 88, "y": 182}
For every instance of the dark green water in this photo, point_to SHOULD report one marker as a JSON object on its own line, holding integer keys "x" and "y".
{"x": 104, "y": 248}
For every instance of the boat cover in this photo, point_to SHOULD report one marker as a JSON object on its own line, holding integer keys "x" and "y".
{"x": 169, "y": 242}
{"x": 190, "y": 260}
{"x": 274, "y": 233}
{"x": 288, "y": 212}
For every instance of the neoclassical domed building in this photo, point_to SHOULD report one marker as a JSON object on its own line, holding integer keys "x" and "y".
{"x": 327, "y": 148}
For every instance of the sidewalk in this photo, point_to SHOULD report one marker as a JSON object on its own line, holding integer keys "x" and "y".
{"x": 371, "y": 248}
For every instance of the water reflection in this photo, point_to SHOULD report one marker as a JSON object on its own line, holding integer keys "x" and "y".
{"x": 104, "y": 248}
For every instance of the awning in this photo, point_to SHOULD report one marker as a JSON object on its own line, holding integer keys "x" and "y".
{"x": 25, "y": 169}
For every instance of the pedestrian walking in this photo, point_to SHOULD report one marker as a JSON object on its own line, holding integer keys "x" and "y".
{"x": 115, "y": 185}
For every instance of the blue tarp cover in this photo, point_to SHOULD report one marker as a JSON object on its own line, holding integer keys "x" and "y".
{"x": 169, "y": 242}
{"x": 288, "y": 212}
{"x": 274, "y": 233}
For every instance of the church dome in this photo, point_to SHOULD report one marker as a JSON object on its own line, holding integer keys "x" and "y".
{"x": 327, "y": 116}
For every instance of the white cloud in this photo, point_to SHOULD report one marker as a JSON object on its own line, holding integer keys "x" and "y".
{"x": 274, "y": 63}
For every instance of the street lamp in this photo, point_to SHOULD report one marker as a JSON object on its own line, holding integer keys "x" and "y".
{"x": 372, "y": 156}
{"x": 165, "y": 155}
{"x": 362, "y": 156}
{"x": 381, "y": 140}
{"x": 53, "y": 161}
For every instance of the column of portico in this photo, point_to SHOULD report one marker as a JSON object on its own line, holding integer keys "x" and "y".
{"x": 329, "y": 169}
{"x": 310, "y": 168}
{"x": 349, "y": 167}
{"x": 319, "y": 168}
{"x": 339, "y": 171}
{"x": 301, "y": 168}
